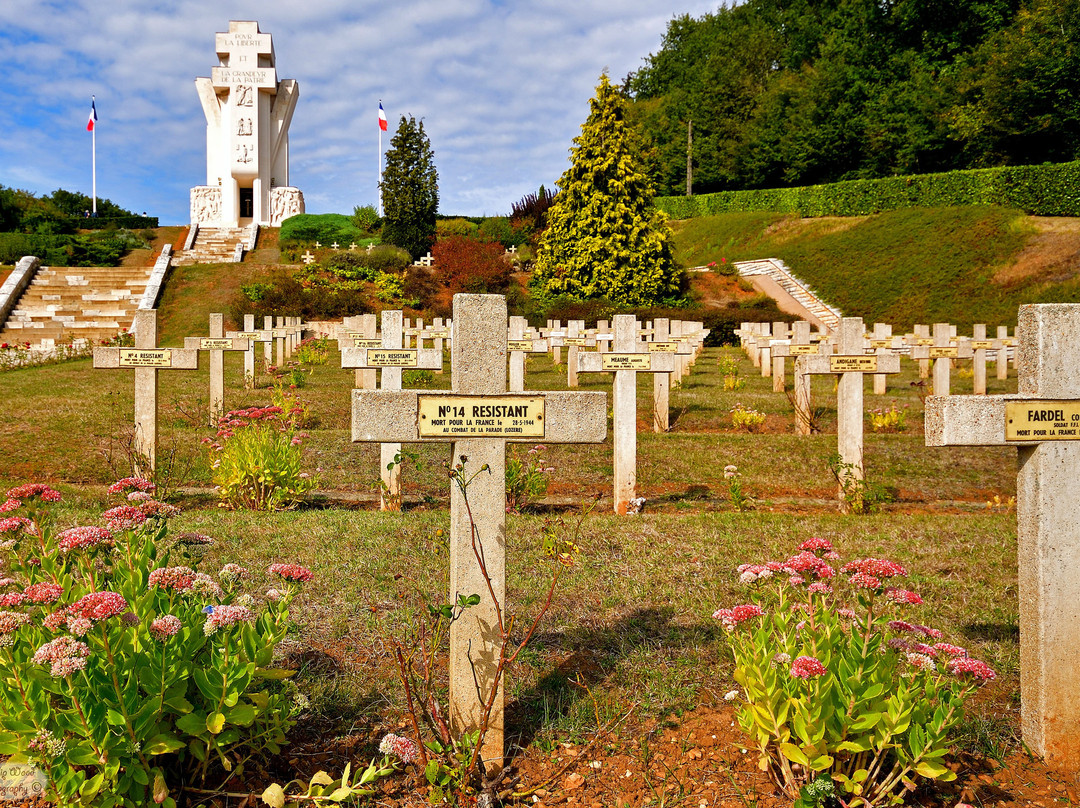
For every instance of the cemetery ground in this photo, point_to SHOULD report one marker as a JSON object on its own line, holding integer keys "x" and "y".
{"x": 619, "y": 699}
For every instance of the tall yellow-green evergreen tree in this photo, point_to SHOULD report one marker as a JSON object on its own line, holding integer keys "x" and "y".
{"x": 604, "y": 236}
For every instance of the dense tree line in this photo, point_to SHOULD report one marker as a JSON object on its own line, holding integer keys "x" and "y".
{"x": 57, "y": 213}
{"x": 798, "y": 92}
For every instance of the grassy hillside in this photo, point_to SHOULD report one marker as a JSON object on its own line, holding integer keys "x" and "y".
{"x": 962, "y": 265}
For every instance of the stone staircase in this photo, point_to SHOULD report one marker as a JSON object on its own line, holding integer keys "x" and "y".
{"x": 217, "y": 245}
{"x": 67, "y": 303}
{"x": 779, "y": 272}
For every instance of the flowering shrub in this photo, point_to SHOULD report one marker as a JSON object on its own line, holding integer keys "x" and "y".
{"x": 729, "y": 369}
{"x": 526, "y": 478}
{"x": 836, "y": 685}
{"x": 747, "y": 418}
{"x": 313, "y": 351}
{"x": 122, "y": 677}
{"x": 740, "y": 499}
{"x": 257, "y": 460}
{"x": 888, "y": 419}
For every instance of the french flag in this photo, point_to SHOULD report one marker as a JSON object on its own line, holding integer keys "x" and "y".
{"x": 90, "y": 124}
{"x": 382, "y": 117}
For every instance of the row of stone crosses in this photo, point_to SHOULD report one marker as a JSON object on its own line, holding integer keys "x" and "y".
{"x": 480, "y": 414}
{"x": 664, "y": 348}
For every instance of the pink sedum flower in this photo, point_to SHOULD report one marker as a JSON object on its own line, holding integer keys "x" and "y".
{"x": 165, "y": 627}
{"x": 404, "y": 748}
{"x": 32, "y": 490}
{"x": 9, "y": 621}
{"x": 816, "y": 545}
{"x": 43, "y": 592}
{"x": 172, "y": 579}
{"x": 65, "y": 655}
{"x": 923, "y": 662}
{"x": 877, "y": 567}
{"x": 10, "y": 505}
{"x": 160, "y": 510}
{"x": 84, "y": 538}
{"x": 903, "y": 596}
{"x": 818, "y": 588}
{"x": 123, "y": 517}
{"x": 807, "y": 667}
{"x": 11, "y": 524}
{"x": 945, "y": 649}
{"x": 99, "y": 606}
{"x": 738, "y": 614}
{"x": 966, "y": 666}
{"x": 292, "y": 572}
{"x": 132, "y": 484}
{"x": 12, "y": 599}
{"x": 223, "y": 616}
{"x": 862, "y": 580}
{"x": 807, "y": 564}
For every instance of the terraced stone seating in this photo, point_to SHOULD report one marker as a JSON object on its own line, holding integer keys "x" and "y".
{"x": 66, "y": 303}
{"x": 214, "y": 246}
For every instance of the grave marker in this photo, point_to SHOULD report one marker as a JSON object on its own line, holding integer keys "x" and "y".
{"x": 146, "y": 359}
{"x": 851, "y": 363}
{"x": 625, "y": 361}
{"x": 518, "y": 347}
{"x": 800, "y": 345}
{"x": 1039, "y": 420}
{"x": 881, "y": 342}
{"x": 1003, "y": 352}
{"x": 478, "y": 381}
{"x": 216, "y": 344}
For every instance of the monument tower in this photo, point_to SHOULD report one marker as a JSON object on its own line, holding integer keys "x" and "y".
{"x": 248, "y": 111}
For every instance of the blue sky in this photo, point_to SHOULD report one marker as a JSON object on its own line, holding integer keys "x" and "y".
{"x": 502, "y": 87}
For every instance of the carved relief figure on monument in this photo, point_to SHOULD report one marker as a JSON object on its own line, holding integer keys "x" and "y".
{"x": 205, "y": 204}
{"x": 243, "y": 95}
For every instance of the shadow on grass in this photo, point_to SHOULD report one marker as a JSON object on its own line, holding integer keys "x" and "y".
{"x": 992, "y": 632}
{"x": 594, "y": 653}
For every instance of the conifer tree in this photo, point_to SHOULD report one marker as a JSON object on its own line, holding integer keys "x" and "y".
{"x": 604, "y": 236}
{"x": 410, "y": 190}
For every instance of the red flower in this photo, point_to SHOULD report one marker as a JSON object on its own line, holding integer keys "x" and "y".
{"x": 807, "y": 667}
{"x": 43, "y": 592}
{"x": 83, "y": 538}
{"x": 99, "y": 606}
{"x": 292, "y": 572}
{"x": 877, "y": 567}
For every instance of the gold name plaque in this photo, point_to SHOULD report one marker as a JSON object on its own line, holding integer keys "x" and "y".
{"x": 853, "y": 364}
{"x": 367, "y": 342}
{"x": 663, "y": 347}
{"x": 626, "y": 361}
{"x": 145, "y": 358}
{"x": 575, "y": 340}
{"x": 981, "y": 344}
{"x": 944, "y": 353}
{"x": 392, "y": 357}
{"x": 441, "y": 416}
{"x": 1042, "y": 420}
{"x": 803, "y": 350}
{"x": 247, "y": 335}
{"x": 880, "y": 343}
{"x": 215, "y": 344}
{"x": 519, "y": 345}
{"x": 924, "y": 341}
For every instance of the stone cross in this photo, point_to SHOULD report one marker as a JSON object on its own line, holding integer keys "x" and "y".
{"x": 1003, "y": 343}
{"x": 317, "y": 245}
{"x": 307, "y": 257}
{"x": 661, "y": 381}
{"x": 477, "y": 417}
{"x": 335, "y": 245}
{"x": 268, "y": 347}
{"x": 518, "y": 347}
{"x": 217, "y": 344}
{"x": 942, "y": 352}
{"x": 146, "y": 359}
{"x": 440, "y": 332}
{"x": 851, "y": 363}
{"x": 979, "y": 344}
{"x": 575, "y": 339}
{"x": 922, "y": 339}
{"x": 555, "y": 340}
{"x": 625, "y": 361}
{"x": 362, "y": 332}
{"x": 780, "y": 331}
{"x": 251, "y": 336}
{"x": 881, "y": 342}
{"x": 800, "y": 345}
{"x": 1043, "y": 421}
{"x": 390, "y": 359}
{"x": 352, "y": 246}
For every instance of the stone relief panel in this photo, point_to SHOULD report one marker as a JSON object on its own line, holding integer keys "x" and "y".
{"x": 206, "y": 204}
{"x": 285, "y": 201}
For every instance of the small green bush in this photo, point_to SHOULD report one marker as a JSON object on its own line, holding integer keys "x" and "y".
{"x": 386, "y": 258}
{"x": 444, "y": 228}
{"x": 366, "y": 218}
{"x": 326, "y": 228}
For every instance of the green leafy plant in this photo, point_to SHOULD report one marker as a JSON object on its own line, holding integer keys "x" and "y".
{"x": 417, "y": 378}
{"x": 257, "y": 460}
{"x": 747, "y": 418}
{"x": 402, "y": 460}
{"x": 740, "y": 499}
{"x": 526, "y": 478}
{"x": 313, "y": 351}
{"x": 859, "y": 494}
{"x": 888, "y": 419}
{"x": 122, "y": 677}
{"x": 836, "y": 685}
{"x": 322, "y": 789}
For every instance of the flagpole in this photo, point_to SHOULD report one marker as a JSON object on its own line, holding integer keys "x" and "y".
{"x": 93, "y": 161}
{"x": 379, "y": 186}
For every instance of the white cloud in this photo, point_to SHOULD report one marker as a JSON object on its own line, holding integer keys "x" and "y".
{"x": 502, "y": 87}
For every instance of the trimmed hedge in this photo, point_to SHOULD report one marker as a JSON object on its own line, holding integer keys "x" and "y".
{"x": 1052, "y": 189}
{"x": 115, "y": 222}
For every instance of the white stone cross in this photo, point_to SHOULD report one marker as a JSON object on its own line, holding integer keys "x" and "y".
{"x": 882, "y": 342}
{"x": 390, "y": 359}
{"x": 362, "y": 331}
{"x": 216, "y": 344}
{"x": 518, "y": 347}
{"x": 944, "y": 350}
{"x": 575, "y": 339}
{"x": 477, "y": 417}
{"x": 335, "y": 245}
{"x": 307, "y": 257}
{"x": 352, "y": 246}
{"x": 317, "y": 245}
{"x": 1043, "y": 421}
{"x": 800, "y": 345}
{"x": 146, "y": 359}
{"x": 851, "y": 363}
{"x": 661, "y": 343}
{"x": 625, "y": 360}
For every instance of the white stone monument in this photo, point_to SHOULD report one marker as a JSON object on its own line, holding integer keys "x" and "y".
{"x": 248, "y": 112}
